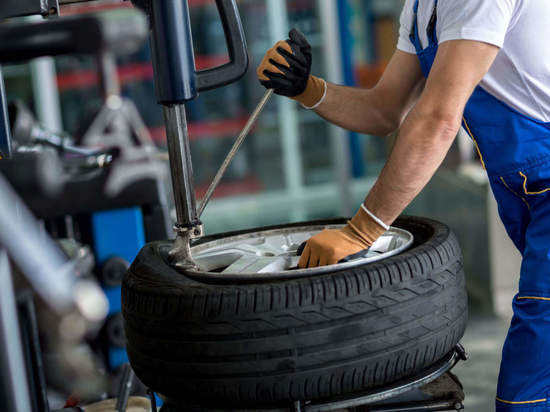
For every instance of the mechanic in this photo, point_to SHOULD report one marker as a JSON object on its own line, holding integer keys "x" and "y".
{"x": 484, "y": 64}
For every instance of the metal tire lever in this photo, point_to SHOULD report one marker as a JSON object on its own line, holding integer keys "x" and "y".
{"x": 238, "y": 142}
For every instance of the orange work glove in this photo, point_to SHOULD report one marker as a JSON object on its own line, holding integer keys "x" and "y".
{"x": 332, "y": 245}
{"x": 286, "y": 69}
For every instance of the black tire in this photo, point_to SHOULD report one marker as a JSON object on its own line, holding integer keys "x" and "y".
{"x": 253, "y": 344}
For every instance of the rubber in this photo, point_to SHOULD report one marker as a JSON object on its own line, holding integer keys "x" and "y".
{"x": 256, "y": 344}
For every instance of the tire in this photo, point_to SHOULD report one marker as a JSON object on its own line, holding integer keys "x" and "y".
{"x": 258, "y": 344}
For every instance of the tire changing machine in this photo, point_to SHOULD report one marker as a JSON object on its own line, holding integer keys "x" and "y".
{"x": 433, "y": 389}
{"x": 177, "y": 83}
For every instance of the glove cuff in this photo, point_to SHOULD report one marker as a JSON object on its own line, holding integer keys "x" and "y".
{"x": 366, "y": 227}
{"x": 314, "y": 93}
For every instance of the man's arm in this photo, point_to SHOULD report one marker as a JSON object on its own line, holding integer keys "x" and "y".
{"x": 286, "y": 69}
{"x": 430, "y": 128}
{"x": 378, "y": 111}
{"x": 423, "y": 141}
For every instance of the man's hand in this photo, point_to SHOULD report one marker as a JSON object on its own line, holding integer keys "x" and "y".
{"x": 286, "y": 69}
{"x": 332, "y": 245}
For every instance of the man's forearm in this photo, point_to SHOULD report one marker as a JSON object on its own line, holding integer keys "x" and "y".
{"x": 430, "y": 128}
{"x": 380, "y": 110}
{"x": 356, "y": 110}
{"x": 419, "y": 150}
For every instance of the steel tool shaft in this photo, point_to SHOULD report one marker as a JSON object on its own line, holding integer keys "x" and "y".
{"x": 181, "y": 169}
{"x": 238, "y": 142}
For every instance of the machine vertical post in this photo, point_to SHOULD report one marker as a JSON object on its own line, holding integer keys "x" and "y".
{"x": 15, "y": 393}
{"x": 5, "y": 134}
{"x": 181, "y": 168}
{"x": 175, "y": 83}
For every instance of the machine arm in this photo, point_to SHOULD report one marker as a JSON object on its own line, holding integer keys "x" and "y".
{"x": 174, "y": 64}
{"x": 177, "y": 82}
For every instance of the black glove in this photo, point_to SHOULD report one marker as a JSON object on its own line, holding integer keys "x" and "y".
{"x": 290, "y": 79}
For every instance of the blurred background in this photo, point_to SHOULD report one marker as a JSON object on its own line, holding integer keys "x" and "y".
{"x": 295, "y": 166}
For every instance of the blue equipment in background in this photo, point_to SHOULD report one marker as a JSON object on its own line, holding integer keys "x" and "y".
{"x": 118, "y": 236}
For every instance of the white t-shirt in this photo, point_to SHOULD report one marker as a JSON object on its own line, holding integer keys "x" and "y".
{"x": 520, "y": 75}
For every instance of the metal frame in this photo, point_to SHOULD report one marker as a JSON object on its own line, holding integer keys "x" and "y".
{"x": 396, "y": 389}
{"x": 14, "y": 390}
{"x": 45, "y": 92}
{"x": 373, "y": 397}
{"x": 72, "y": 301}
{"x": 28, "y": 323}
{"x": 119, "y": 116}
{"x": 5, "y": 133}
{"x": 17, "y": 8}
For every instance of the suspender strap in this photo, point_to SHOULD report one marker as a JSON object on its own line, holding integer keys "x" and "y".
{"x": 414, "y": 36}
{"x": 430, "y": 30}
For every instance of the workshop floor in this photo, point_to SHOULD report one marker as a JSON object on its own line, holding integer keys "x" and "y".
{"x": 483, "y": 342}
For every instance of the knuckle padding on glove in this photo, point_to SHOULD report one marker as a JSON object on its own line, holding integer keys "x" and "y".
{"x": 277, "y": 76}
{"x": 295, "y": 67}
{"x": 279, "y": 58}
{"x": 270, "y": 71}
{"x": 292, "y": 57}
{"x": 280, "y": 66}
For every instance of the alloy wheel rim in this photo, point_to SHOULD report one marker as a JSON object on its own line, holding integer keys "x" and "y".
{"x": 272, "y": 254}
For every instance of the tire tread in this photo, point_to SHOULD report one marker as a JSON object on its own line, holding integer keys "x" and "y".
{"x": 175, "y": 323}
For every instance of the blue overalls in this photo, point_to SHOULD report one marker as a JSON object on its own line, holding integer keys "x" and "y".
{"x": 515, "y": 151}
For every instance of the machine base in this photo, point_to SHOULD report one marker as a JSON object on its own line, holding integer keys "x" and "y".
{"x": 434, "y": 389}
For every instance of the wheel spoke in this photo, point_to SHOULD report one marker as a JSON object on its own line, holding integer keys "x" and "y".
{"x": 216, "y": 259}
{"x": 258, "y": 264}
